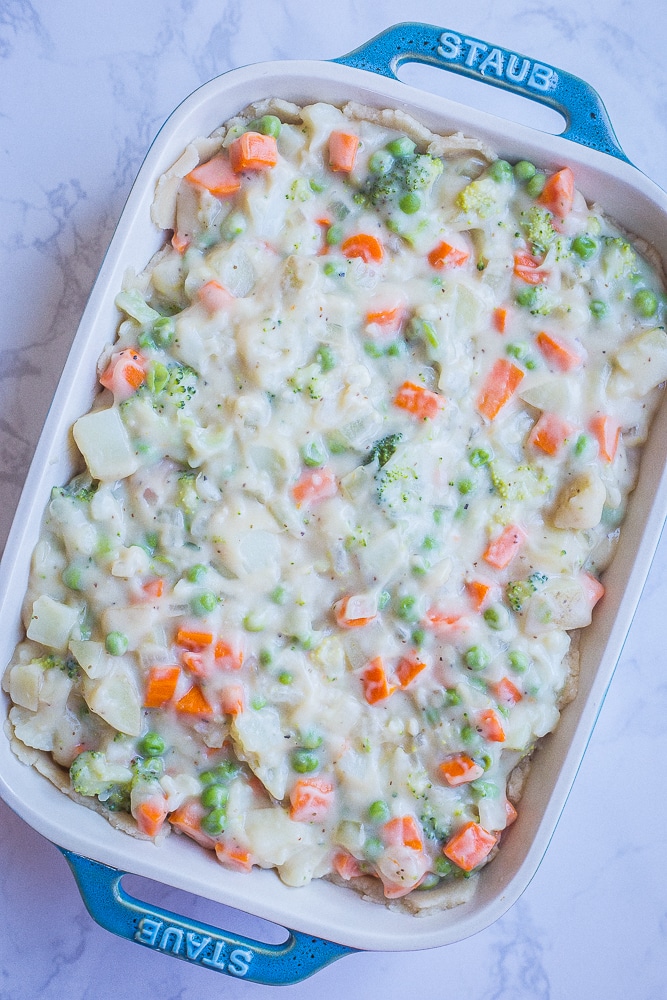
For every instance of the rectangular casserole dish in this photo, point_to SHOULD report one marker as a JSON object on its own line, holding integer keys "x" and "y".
{"x": 322, "y": 909}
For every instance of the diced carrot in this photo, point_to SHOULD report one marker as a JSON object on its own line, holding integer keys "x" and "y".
{"x": 193, "y": 639}
{"x": 227, "y": 656}
{"x": 593, "y": 589}
{"x": 216, "y": 175}
{"x": 234, "y": 857}
{"x": 558, "y": 353}
{"x": 500, "y": 319}
{"x": 550, "y": 433}
{"x": 253, "y": 151}
{"x": 459, "y": 769}
{"x": 346, "y": 865}
{"x": 558, "y": 193}
{"x": 213, "y": 296}
{"x": 607, "y": 432}
{"x": 310, "y": 800}
{"x": 343, "y": 148}
{"x": 526, "y": 267}
{"x": 402, "y": 831}
{"x": 193, "y": 702}
{"x": 420, "y": 402}
{"x": 150, "y": 815}
{"x": 389, "y": 320}
{"x": 313, "y": 486}
{"x": 180, "y": 243}
{"x": 510, "y": 812}
{"x": 197, "y": 663}
{"x": 161, "y": 686}
{"x": 488, "y": 724}
{"x": 444, "y": 256}
{"x": 408, "y": 668}
{"x": 355, "y": 610}
{"x": 153, "y": 588}
{"x": 502, "y": 549}
{"x": 499, "y": 386}
{"x": 506, "y": 692}
{"x": 124, "y": 374}
{"x": 363, "y": 245}
{"x": 469, "y": 846}
{"x": 479, "y": 593}
{"x": 394, "y": 890}
{"x": 232, "y": 699}
{"x": 374, "y": 682}
{"x": 444, "y": 621}
{"x": 187, "y": 818}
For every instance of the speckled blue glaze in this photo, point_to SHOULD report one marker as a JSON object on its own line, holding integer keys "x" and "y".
{"x": 295, "y": 959}
{"x": 586, "y": 118}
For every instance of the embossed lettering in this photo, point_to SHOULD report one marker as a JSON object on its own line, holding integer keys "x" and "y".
{"x": 475, "y": 49}
{"x": 450, "y": 45}
{"x": 148, "y": 931}
{"x": 239, "y": 960}
{"x": 514, "y": 74}
{"x": 194, "y": 945}
{"x": 171, "y": 940}
{"x": 218, "y": 959}
{"x": 542, "y": 77}
{"x": 493, "y": 63}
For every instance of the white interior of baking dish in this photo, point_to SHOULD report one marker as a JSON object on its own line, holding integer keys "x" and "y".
{"x": 321, "y": 908}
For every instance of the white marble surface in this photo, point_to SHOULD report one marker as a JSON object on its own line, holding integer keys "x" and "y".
{"x": 83, "y": 89}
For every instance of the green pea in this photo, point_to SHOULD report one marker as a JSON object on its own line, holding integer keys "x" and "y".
{"x": 497, "y": 617}
{"x": 285, "y": 677}
{"x": 401, "y": 146}
{"x": 501, "y": 171}
{"x": 265, "y": 657}
{"x": 214, "y": 824}
{"x": 535, "y": 185}
{"x": 253, "y": 622}
{"x": 311, "y": 740}
{"x": 598, "y": 308}
{"x": 442, "y": 865}
{"x": 584, "y": 246}
{"x": 477, "y": 658}
{"x": 313, "y": 453}
{"x": 379, "y": 811}
{"x": 305, "y": 761}
{"x": 524, "y": 170}
{"x": 406, "y": 608}
{"x": 645, "y": 302}
{"x": 116, "y": 643}
{"x": 373, "y": 848}
{"x": 465, "y": 486}
{"x": 204, "y": 603}
{"x": 326, "y": 358}
{"x": 429, "y": 881}
{"x": 452, "y": 697}
{"x": 266, "y": 125}
{"x": 517, "y": 351}
{"x": 215, "y": 797}
{"x": 479, "y": 457}
{"x": 518, "y": 661}
{"x": 196, "y": 573}
{"x": 151, "y": 767}
{"x": 527, "y": 297}
{"x": 381, "y": 162}
{"x": 410, "y": 203}
{"x": 418, "y": 636}
{"x": 71, "y": 577}
{"x": 279, "y": 595}
{"x": 151, "y": 745}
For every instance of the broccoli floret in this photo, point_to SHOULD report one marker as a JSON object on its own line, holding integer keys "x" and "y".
{"x": 187, "y": 497}
{"x": 519, "y": 591}
{"x": 537, "y": 299}
{"x": 538, "y": 229}
{"x": 483, "y": 197}
{"x": 421, "y": 171}
{"x": 91, "y": 774}
{"x": 383, "y": 449}
{"x": 51, "y": 661}
{"x": 415, "y": 172}
{"x": 174, "y": 384}
{"x": 618, "y": 258}
{"x": 80, "y": 488}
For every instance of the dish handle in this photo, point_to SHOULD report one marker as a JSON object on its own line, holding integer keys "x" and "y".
{"x": 586, "y": 118}
{"x": 300, "y": 956}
